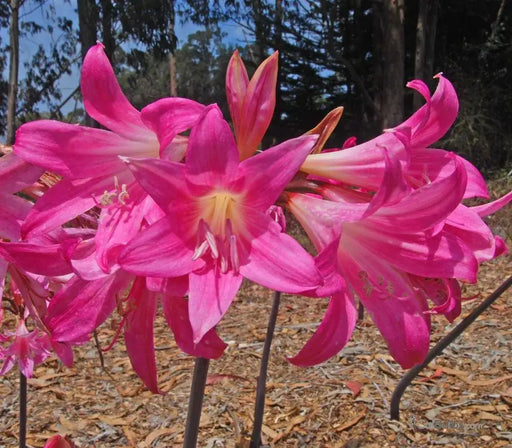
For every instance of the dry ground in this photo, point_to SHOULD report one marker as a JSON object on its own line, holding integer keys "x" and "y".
{"x": 463, "y": 399}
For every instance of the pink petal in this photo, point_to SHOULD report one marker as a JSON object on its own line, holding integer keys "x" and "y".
{"x": 138, "y": 334}
{"x": 361, "y": 165}
{"x": 170, "y": 116}
{"x": 476, "y": 186}
{"x": 393, "y": 187}
{"x": 12, "y": 213}
{"x": 426, "y": 206}
{"x": 16, "y": 174}
{"x": 164, "y": 181}
{"x": 237, "y": 81}
{"x": 441, "y": 255}
{"x": 104, "y": 100}
{"x": 211, "y": 293}
{"x": 433, "y": 120}
{"x": 322, "y": 219}
{"x": 212, "y": 156}
{"x": 81, "y": 306}
{"x": 47, "y": 260}
{"x": 158, "y": 252}
{"x": 401, "y": 319}
{"x": 274, "y": 168}
{"x": 445, "y": 293}
{"x": 76, "y": 151}
{"x": 332, "y": 334}
{"x": 118, "y": 224}
{"x": 65, "y": 201}
{"x": 176, "y": 314}
{"x": 275, "y": 259}
{"x": 494, "y": 206}
{"x": 472, "y": 230}
{"x": 258, "y": 107}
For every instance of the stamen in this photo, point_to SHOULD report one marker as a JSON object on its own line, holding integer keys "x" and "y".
{"x": 123, "y": 195}
{"x": 233, "y": 254}
{"x": 200, "y": 250}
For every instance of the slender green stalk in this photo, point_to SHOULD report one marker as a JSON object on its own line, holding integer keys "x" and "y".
{"x": 23, "y": 411}
{"x": 441, "y": 345}
{"x": 262, "y": 379}
{"x": 195, "y": 402}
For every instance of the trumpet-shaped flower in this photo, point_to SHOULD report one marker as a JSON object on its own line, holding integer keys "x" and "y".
{"x": 216, "y": 228}
{"x": 87, "y": 158}
{"x": 395, "y": 250}
{"x": 363, "y": 165}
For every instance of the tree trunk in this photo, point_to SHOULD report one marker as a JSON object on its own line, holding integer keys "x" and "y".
{"x": 173, "y": 82}
{"x": 14, "y": 55}
{"x": 425, "y": 44}
{"x": 278, "y": 40}
{"x": 259, "y": 33}
{"x": 106, "y": 25}
{"x": 390, "y": 40}
{"x": 87, "y": 20}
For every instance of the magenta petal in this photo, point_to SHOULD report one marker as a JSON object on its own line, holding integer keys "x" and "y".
{"x": 427, "y": 206}
{"x": 44, "y": 260}
{"x": 158, "y": 252}
{"x": 104, "y": 100}
{"x": 138, "y": 334}
{"x": 176, "y": 314}
{"x": 211, "y": 293}
{"x": 118, "y": 224}
{"x": 16, "y": 174}
{"x": 274, "y": 168}
{"x": 212, "y": 151}
{"x": 441, "y": 255}
{"x": 81, "y": 306}
{"x": 494, "y": 206}
{"x": 170, "y": 116}
{"x": 75, "y": 151}
{"x": 12, "y": 213}
{"x": 476, "y": 186}
{"x": 332, "y": 334}
{"x": 276, "y": 260}
{"x": 164, "y": 181}
{"x": 401, "y": 320}
{"x": 434, "y": 119}
{"x": 393, "y": 187}
{"x": 64, "y": 202}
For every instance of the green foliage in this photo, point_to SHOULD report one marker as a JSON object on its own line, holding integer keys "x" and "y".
{"x": 201, "y": 66}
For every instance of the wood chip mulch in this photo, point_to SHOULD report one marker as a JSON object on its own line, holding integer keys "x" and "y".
{"x": 463, "y": 399}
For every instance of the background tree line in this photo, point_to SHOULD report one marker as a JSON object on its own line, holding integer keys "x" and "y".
{"x": 355, "y": 53}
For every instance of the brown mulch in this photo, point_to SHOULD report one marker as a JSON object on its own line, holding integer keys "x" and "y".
{"x": 463, "y": 399}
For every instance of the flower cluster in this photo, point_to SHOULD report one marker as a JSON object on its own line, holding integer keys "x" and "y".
{"x": 167, "y": 206}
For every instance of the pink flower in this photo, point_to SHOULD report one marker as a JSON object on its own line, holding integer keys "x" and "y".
{"x": 363, "y": 165}
{"x": 59, "y": 442}
{"x": 87, "y": 158}
{"x": 251, "y": 103}
{"x": 25, "y": 348}
{"x": 217, "y": 230}
{"x": 394, "y": 250}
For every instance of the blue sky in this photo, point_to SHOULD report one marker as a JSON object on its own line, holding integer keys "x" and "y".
{"x": 68, "y": 8}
